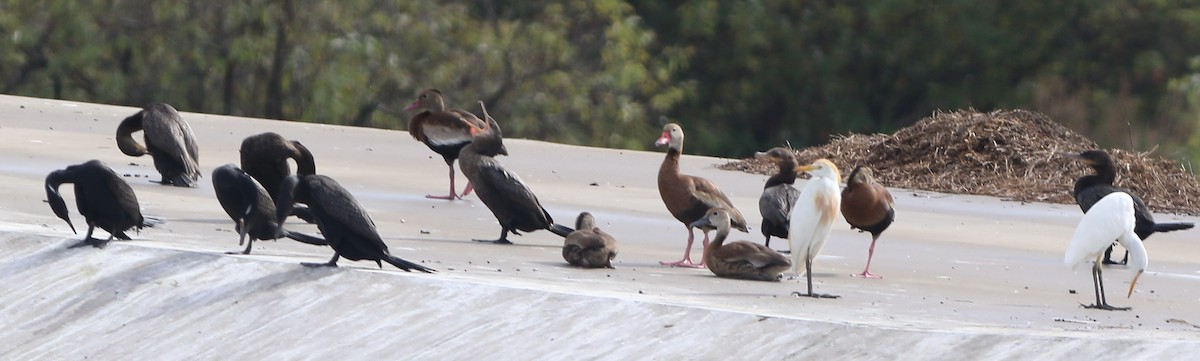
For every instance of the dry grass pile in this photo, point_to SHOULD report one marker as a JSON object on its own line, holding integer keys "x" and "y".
{"x": 1017, "y": 155}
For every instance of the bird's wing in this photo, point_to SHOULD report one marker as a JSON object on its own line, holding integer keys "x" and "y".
{"x": 509, "y": 187}
{"x": 880, "y": 189}
{"x": 338, "y": 205}
{"x": 756, "y": 254}
{"x": 776, "y": 203}
{"x": 171, "y": 134}
{"x": 712, "y": 196}
{"x": 124, "y": 194}
{"x": 1107, "y": 220}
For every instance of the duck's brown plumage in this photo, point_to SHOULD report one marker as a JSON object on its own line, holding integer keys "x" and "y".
{"x": 169, "y": 140}
{"x": 589, "y": 246}
{"x": 510, "y": 200}
{"x": 445, "y": 131}
{"x": 689, "y": 197}
{"x": 779, "y": 196}
{"x": 738, "y": 259}
{"x": 867, "y": 206}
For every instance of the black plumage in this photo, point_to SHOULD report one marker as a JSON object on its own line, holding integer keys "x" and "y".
{"x": 342, "y": 220}
{"x": 253, "y": 211}
{"x": 265, "y": 157}
{"x": 510, "y": 200}
{"x": 103, "y": 198}
{"x": 1091, "y": 188}
{"x": 779, "y": 196}
{"x": 169, "y": 140}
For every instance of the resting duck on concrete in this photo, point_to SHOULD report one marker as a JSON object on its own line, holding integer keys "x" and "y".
{"x": 588, "y": 246}
{"x": 738, "y": 259}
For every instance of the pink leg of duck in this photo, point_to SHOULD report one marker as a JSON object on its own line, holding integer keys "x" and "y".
{"x": 466, "y": 191}
{"x": 452, "y": 195}
{"x": 870, "y": 254}
{"x": 687, "y": 253}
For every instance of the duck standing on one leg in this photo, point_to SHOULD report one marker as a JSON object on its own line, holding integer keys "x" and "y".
{"x": 867, "y": 206}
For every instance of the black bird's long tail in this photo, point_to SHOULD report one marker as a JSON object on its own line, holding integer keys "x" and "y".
{"x": 1168, "y": 227}
{"x": 406, "y": 265}
{"x": 152, "y": 221}
{"x": 305, "y": 238}
{"x": 560, "y": 230}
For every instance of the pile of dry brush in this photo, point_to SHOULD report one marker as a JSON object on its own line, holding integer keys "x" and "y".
{"x": 1018, "y": 155}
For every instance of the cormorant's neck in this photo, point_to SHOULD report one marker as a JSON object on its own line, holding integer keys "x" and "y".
{"x": 786, "y": 174}
{"x": 1105, "y": 175}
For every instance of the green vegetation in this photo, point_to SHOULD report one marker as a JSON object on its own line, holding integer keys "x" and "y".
{"x": 740, "y": 75}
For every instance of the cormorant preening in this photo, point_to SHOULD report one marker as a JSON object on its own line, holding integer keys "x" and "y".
{"x": 1091, "y": 188}
{"x": 103, "y": 198}
{"x": 513, "y": 204}
{"x": 344, "y": 223}
{"x": 247, "y": 203}
{"x": 778, "y": 194}
{"x": 169, "y": 140}
{"x": 265, "y": 157}
{"x": 689, "y": 197}
{"x": 445, "y": 131}
{"x": 588, "y": 246}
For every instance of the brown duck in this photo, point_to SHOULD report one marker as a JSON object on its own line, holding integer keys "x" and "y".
{"x": 867, "y": 206}
{"x": 588, "y": 246}
{"x": 445, "y": 131}
{"x": 739, "y": 259}
{"x": 688, "y": 197}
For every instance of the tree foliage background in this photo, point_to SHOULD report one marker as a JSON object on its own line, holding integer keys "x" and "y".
{"x": 739, "y": 75}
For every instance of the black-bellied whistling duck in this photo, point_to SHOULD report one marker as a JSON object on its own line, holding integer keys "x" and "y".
{"x": 169, "y": 140}
{"x": 812, "y": 218}
{"x": 509, "y": 199}
{"x": 247, "y": 203}
{"x": 342, "y": 220}
{"x": 867, "y": 206}
{"x": 689, "y": 197}
{"x": 103, "y": 198}
{"x": 778, "y": 195}
{"x": 1112, "y": 217}
{"x": 738, "y": 259}
{"x": 1091, "y": 188}
{"x": 445, "y": 131}
{"x": 265, "y": 157}
{"x": 588, "y": 246}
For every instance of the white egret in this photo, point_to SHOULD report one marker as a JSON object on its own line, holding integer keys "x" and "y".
{"x": 1110, "y": 218}
{"x": 812, "y": 217}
